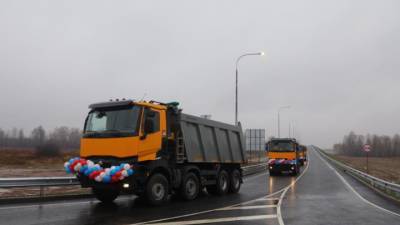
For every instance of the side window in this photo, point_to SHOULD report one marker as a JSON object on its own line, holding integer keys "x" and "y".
{"x": 152, "y": 121}
{"x": 156, "y": 121}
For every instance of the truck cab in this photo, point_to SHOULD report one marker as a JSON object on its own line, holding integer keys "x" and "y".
{"x": 283, "y": 156}
{"x": 123, "y": 130}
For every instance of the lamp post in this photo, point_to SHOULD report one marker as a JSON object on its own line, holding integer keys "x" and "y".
{"x": 236, "y": 83}
{"x": 279, "y": 118}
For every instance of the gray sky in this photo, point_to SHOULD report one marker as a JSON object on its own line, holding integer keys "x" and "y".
{"x": 335, "y": 62}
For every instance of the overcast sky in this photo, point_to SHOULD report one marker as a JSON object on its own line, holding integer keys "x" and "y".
{"x": 335, "y": 62}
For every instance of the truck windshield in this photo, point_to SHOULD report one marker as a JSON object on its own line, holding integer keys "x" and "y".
{"x": 281, "y": 147}
{"x": 113, "y": 122}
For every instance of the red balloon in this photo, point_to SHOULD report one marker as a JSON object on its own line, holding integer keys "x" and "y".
{"x": 94, "y": 174}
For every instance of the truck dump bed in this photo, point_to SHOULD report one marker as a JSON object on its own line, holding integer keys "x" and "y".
{"x": 211, "y": 141}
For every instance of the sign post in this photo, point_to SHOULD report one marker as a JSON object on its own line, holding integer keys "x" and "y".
{"x": 367, "y": 149}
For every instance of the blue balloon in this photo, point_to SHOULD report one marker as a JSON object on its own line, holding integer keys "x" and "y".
{"x": 106, "y": 179}
{"x": 67, "y": 170}
{"x": 113, "y": 171}
{"x": 88, "y": 171}
{"x": 130, "y": 172}
{"x": 83, "y": 169}
{"x": 96, "y": 167}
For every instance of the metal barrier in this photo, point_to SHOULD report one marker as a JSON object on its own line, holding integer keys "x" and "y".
{"x": 386, "y": 187}
{"x": 42, "y": 182}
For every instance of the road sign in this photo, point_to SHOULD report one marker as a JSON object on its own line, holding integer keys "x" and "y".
{"x": 367, "y": 148}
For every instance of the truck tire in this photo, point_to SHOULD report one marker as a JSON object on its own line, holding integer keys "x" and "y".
{"x": 190, "y": 186}
{"x": 222, "y": 185}
{"x": 105, "y": 195}
{"x": 157, "y": 189}
{"x": 234, "y": 181}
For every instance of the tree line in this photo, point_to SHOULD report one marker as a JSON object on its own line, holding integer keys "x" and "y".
{"x": 381, "y": 145}
{"x": 45, "y": 142}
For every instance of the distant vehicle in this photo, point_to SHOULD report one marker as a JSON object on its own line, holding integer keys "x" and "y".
{"x": 283, "y": 155}
{"x": 302, "y": 154}
{"x": 152, "y": 149}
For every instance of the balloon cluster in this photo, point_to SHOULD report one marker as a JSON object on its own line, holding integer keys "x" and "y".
{"x": 96, "y": 172}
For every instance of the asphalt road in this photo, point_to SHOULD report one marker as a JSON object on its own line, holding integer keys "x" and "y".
{"x": 320, "y": 195}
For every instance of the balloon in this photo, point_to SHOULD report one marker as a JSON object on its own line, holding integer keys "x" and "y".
{"x": 124, "y": 173}
{"x": 83, "y": 169}
{"x": 98, "y": 179}
{"x": 106, "y": 179}
{"x": 114, "y": 179}
{"x": 130, "y": 172}
{"x": 90, "y": 163}
{"x": 126, "y": 166}
{"x": 94, "y": 174}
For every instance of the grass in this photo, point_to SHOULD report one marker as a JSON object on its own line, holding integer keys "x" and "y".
{"x": 386, "y": 168}
{"x": 25, "y": 163}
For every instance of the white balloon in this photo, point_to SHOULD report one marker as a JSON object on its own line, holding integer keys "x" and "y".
{"x": 124, "y": 173}
{"x": 127, "y": 166}
{"x": 113, "y": 167}
{"x": 98, "y": 178}
{"x": 77, "y": 167}
{"x": 66, "y": 164}
{"x": 90, "y": 164}
{"x": 107, "y": 171}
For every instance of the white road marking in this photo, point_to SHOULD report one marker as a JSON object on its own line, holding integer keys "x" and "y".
{"x": 249, "y": 207}
{"x": 218, "y": 220}
{"x": 266, "y": 199}
{"x": 278, "y": 211}
{"x": 353, "y": 190}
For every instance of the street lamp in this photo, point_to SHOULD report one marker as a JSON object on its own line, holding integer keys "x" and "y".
{"x": 237, "y": 73}
{"x": 279, "y": 118}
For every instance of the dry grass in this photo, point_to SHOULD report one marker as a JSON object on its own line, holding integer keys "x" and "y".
{"x": 386, "y": 168}
{"x": 25, "y": 163}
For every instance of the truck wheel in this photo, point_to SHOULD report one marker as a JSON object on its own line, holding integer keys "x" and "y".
{"x": 234, "y": 181}
{"x": 222, "y": 185}
{"x": 105, "y": 195}
{"x": 190, "y": 186}
{"x": 157, "y": 189}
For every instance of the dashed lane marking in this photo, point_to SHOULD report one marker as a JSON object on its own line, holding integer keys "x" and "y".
{"x": 218, "y": 220}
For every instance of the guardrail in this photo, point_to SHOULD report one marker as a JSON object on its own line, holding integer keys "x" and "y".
{"x": 43, "y": 182}
{"x": 391, "y": 189}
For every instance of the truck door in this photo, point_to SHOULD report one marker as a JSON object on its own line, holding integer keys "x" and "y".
{"x": 150, "y": 134}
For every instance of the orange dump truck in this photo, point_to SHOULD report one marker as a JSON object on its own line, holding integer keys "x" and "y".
{"x": 152, "y": 149}
{"x": 283, "y": 156}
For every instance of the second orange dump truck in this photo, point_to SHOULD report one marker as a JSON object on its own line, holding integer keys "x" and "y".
{"x": 283, "y": 156}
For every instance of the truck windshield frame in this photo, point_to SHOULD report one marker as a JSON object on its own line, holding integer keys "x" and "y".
{"x": 113, "y": 122}
{"x": 281, "y": 146}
